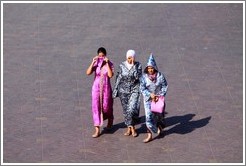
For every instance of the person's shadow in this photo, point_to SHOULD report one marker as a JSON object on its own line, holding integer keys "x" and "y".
{"x": 181, "y": 125}
{"x": 184, "y": 124}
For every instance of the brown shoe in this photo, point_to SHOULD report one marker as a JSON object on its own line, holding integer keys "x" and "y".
{"x": 128, "y": 132}
{"x": 97, "y": 132}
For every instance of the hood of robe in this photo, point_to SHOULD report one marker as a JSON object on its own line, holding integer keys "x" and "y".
{"x": 151, "y": 62}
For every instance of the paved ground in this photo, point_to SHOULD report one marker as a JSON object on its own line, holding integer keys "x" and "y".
{"x": 47, "y": 95}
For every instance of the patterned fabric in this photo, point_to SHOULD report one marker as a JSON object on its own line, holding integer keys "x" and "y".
{"x": 126, "y": 87}
{"x": 102, "y": 101}
{"x": 153, "y": 120}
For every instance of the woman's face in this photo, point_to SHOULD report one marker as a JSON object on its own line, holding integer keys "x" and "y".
{"x": 101, "y": 54}
{"x": 130, "y": 60}
{"x": 150, "y": 70}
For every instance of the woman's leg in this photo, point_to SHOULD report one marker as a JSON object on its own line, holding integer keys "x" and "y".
{"x": 108, "y": 109}
{"x": 124, "y": 98}
{"x": 110, "y": 123}
{"x": 134, "y": 107}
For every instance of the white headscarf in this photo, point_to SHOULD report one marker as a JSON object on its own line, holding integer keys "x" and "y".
{"x": 130, "y": 53}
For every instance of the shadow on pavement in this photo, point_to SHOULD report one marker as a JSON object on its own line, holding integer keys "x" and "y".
{"x": 117, "y": 126}
{"x": 181, "y": 125}
{"x": 114, "y": 128}
{"x": 184, "y": 124}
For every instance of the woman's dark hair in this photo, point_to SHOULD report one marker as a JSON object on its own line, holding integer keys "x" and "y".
{"x": 102, "y": 50}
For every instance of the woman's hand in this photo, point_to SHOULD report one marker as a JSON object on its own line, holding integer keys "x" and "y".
{"x": 133, "y": 60}
{"x": 89, "y": 70}
{"x": 152, "y": 95}
{"x": 156, "y": 98}
{"x": 130, "y": 60}
{"x": 110, "y": 72}
{"x": 106, "y": 59}
{"x": 94, "y": 59}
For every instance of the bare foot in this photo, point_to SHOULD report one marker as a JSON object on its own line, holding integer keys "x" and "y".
{"x": 148, "y": 139}
{"x": 134, "y": 133}
{"x": 97, "y": 132}
{"x": 128, "y": 132}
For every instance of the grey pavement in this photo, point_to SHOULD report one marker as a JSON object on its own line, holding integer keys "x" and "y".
{"x": 47, "y": 95}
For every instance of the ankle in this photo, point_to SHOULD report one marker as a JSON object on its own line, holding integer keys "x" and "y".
{"x": 110, "y": 123}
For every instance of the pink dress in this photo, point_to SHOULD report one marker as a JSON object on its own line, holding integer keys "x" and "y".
{"x": 102, "y": 101}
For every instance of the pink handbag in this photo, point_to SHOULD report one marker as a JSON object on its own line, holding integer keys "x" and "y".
{"x": 158, "y": 106}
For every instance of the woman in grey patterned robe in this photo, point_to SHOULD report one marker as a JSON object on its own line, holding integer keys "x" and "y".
{"x": 153, "y": 84}
{"x": 127, "y": 88}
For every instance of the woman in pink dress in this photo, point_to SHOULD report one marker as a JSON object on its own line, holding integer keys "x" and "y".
{"x": 102, "y": 101}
